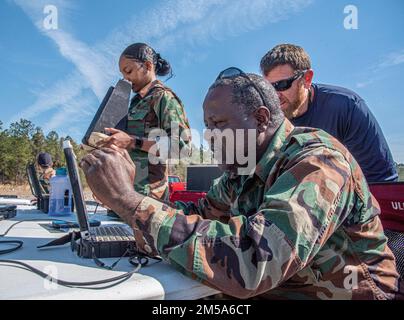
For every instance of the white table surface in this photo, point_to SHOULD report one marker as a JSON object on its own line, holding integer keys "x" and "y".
{"x": 155, "y": 281}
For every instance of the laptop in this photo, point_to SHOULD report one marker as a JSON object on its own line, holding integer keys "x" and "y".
{"x": 112, "y": 112}
{"x": 95, "y": 242}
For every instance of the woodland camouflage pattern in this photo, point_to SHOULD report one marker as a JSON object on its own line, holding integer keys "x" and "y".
{"x": 303, "y": 226}
{"x": 159, "y": 108}
{"x": 44, "y": 179}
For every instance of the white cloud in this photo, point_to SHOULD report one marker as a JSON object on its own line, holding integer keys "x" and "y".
{"x": 392, "y": 59}
{"x": 89, "y": 63}
{"x": 73, "y": 111}
{"x": 366, "y": 83}
{"x": 389, "y": 60}
{"x": 62, "y": 92}
{"x": 169, "y": 25}
{"x": 231, "y": 18}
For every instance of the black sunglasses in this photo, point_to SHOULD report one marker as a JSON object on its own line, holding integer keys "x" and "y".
{"x": 285, "y": 84}
{"x": 235, "y": 72}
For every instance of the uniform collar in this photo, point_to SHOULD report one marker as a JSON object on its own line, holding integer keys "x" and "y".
{"x": 154, "y": 84}
{"x": 272, "y": 152}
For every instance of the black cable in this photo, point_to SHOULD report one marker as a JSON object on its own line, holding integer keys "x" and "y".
{"x": 142, "y": 260}
{"x": 83, "y": 285}
{"x": 70, "y": 284}
{"x": 9, "y": 228}
{"x": 101, "y": 264}
{"x": 18, "y": 222}
{"x": 138, "y": 260}
{"x": 18, "y": 244}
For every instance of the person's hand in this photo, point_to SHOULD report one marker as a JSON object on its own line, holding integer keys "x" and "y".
{"x": 99, "y": 202}
{"x": 118, "y": 138}
{"x": 110, "y": 174}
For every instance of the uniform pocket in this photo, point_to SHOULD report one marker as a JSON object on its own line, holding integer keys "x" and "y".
{"x": 138, "y": 114}
{"x": 136, "y": 122}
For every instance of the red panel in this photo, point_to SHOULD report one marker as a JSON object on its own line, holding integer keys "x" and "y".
{"x": 390, "y": 197}
{"x": 391, "y": 200}
{"x": 177, "y": 186}
{"x": 187, "y": 196}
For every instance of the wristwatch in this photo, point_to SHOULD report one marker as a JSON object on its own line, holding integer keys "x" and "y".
{"x": 138, "y": 143}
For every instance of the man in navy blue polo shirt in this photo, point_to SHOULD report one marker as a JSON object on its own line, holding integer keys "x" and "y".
{"x": 338, "y": 111}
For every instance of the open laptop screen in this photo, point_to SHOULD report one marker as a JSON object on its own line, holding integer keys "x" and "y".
{"x": 78, "y": 197}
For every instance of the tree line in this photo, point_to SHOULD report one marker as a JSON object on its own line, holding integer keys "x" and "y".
{"x": 20, "y": 145}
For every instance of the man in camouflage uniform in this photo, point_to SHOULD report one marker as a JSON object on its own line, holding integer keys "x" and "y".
{"x": 46, "y": 171}
{"x": 302, "y": 225}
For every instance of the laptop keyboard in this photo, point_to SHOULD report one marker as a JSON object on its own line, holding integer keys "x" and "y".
{"x": 111, "y": 233}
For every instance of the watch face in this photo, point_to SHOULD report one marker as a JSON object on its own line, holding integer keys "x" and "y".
{"x": 139, "y": 143}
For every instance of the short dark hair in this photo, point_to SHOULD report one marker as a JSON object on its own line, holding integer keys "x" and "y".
{"x": 143, "y": 52}
{"x": 245, "y": 95}
{"x": 282, "y": 54}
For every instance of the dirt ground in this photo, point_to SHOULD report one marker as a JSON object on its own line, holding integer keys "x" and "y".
{"x": 24, "y": 191}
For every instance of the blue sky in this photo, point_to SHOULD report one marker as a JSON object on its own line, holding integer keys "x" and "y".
{"x": 56, "y": 78}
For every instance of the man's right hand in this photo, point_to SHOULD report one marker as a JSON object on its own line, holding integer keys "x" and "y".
{"x": 110, "y": 174}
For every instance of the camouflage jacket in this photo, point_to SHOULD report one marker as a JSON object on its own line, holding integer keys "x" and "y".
{"x": 302, "y": 226}
{"x": 159, "y": 108}
{"x": 44, "y": 179}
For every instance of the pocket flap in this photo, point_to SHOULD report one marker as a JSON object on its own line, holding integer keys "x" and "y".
{"x": 138, "y": 114}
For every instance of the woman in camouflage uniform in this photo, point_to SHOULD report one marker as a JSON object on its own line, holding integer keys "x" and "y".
{"x": 154, "y": 106}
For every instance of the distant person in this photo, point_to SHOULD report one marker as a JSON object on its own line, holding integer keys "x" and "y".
{"x": 338, "y": 111}
{"x": 154, "y": 106}
{"x": 45, "y": 165}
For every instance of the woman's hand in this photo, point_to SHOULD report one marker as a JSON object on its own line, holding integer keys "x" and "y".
{"x": 119, "y": 138}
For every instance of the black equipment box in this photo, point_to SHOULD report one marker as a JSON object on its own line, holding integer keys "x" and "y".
{"x": 94, "y": 242}
{"x": 8, "y": 212}
{"x": 103, "y": 249}
{"x": 200, "y": 177}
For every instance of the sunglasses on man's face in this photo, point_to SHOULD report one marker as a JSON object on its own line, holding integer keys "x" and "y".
{"x": 233, "y": 72}
{"x": 285, "y": 84}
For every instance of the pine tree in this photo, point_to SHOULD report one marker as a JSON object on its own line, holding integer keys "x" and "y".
{"x": 53, "y": 147}
{"x": 38, "y": 142}
{"x": 21, "y": 143}
{"x": 18, "y": 149}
